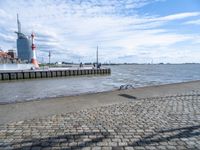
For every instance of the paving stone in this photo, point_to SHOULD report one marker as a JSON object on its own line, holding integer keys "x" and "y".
{"x": 171, "y": 122}
{"x": 96, "y": 148}
{"x": 117, "y": 148}
{"x": 106, "y": 148}
{"x": 36, "y": 148}
{"x": 129, "y": 148}
{"x": 122, "y": 144}
{"x": 171, "y": 147}
{"x": 86, "y": 148}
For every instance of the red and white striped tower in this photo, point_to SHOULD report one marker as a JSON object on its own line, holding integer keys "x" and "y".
{"x": 34, "y": 60}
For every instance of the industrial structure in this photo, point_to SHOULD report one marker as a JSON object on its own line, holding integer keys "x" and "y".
{"x": 24, "y": 50}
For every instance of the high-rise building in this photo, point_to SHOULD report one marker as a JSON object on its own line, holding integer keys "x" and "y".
{"x": 24, "y": 51}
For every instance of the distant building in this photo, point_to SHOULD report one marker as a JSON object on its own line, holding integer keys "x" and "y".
{"x": 24, "y": 51}
{"x": 12, "y": 53}
{"x": 5, "y": 58}
{"x": 4, "y": 54}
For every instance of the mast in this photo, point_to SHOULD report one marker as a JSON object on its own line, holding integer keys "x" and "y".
{"x": 49, "y": 57}
{"x": 97, "y": 55}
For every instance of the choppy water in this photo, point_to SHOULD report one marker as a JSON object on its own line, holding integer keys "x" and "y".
{"x": 137, "y": 75}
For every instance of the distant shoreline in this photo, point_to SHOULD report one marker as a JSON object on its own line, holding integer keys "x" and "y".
{"x": 152, "y": 64}
{"x": 69, "y": 65}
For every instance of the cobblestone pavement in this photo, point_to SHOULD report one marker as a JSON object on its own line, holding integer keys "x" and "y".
{"x": 171, "y": 122}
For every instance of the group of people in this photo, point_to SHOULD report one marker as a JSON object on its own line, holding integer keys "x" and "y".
{"x": 97, "y": 65}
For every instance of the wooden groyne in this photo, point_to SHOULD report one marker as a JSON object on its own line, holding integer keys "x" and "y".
{"x": 34, "y": 74}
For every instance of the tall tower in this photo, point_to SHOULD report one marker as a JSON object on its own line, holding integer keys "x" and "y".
{"x": 34, "y": 60}
{"x": 24, "y": 51}
{"x": 18, "y": 25}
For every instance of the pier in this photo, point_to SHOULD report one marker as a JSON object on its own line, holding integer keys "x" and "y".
{"x": 34, "y": 74}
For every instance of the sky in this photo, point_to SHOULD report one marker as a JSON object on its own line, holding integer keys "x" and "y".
{"x": 132, "y": 31}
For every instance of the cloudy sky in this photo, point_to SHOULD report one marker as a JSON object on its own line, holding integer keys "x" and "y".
{"x": 137, "y": 31}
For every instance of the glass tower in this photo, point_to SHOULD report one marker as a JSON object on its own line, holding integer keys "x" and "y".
{"x": 24, "y": 50}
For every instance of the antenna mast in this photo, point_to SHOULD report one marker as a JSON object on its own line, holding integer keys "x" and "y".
{"x": 49, "y": 57}
{"x": 97, "y": 55}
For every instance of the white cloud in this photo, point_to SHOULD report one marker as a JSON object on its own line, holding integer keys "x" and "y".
{"x": 179, "y": 16}
{"x": 193, "y": 22}
{"x": 72, "y": 29}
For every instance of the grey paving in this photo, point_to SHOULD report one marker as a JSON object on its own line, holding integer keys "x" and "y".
{"x": 171, "y": 122}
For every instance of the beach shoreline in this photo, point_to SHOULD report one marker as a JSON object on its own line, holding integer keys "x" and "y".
{"x": 52, "y": 106}
{"x": 97, "y": 92}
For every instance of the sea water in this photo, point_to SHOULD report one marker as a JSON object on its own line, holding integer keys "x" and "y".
{"x": 136, "y": 75}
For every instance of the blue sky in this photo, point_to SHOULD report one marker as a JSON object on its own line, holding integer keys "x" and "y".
{"x": 137, "y": 31}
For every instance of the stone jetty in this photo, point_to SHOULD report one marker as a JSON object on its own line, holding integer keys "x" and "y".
{"x": 34, "y": 74}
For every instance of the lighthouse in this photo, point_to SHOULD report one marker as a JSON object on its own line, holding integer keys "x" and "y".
{"x": 33, "y": 59}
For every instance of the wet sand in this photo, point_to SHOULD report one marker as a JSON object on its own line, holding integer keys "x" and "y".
{"x": 55, "y": 106}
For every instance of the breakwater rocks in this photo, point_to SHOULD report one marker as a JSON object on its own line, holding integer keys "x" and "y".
{"x": 33, "y": 74}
